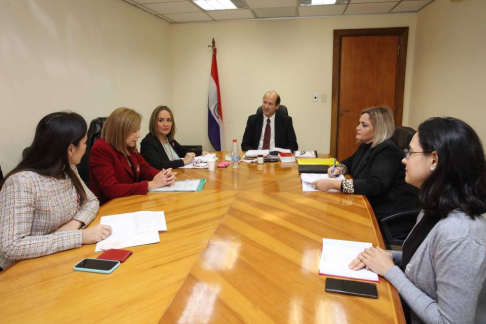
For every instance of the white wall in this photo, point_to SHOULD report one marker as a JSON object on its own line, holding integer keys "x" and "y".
{"x": 293, "y": 57}
{"x": 89, "y": 56}
{"x": 449, "y": 75}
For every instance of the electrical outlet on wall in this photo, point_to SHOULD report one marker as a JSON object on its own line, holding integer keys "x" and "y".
{"x": 323, "y": 97}
{"x": 315, "y": 97}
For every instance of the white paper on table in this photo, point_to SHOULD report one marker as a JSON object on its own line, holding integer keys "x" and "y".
{"x": 132, "y": 229}
{"x": 184, "y": 185}
{"x": 200, "y": 159}
{"x": 337, "y": 255}
{"x": 309, "y": 178}
{"x": 254, "y": 153}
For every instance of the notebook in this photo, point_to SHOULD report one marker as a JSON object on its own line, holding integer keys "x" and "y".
{"x": 313, "y": 168}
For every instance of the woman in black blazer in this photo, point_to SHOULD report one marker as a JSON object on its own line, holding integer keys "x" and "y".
{"x": 376, "y": 167}
{"x": 159, "y": 148}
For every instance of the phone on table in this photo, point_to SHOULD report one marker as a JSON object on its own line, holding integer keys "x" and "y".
{"x": 97, "y": 265}
{"x": 348, "y": 287}
{"x": 223, "y": 164}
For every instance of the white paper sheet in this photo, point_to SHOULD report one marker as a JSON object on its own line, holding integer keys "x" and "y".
{"x": 309, "y": 178}
{"x": 132, "y": 229}
{"x": 337, "y": 255}
{"x": 201, "y": 160}
{"x": 184, "y": 185}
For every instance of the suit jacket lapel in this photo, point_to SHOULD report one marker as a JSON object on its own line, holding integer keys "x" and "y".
{"x": 258, "y": 130}
{"x": 361, "y": 161}
{"x": 124, "y": 162}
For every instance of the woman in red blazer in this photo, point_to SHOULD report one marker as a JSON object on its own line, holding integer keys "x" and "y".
{"x": 116, "y": 167}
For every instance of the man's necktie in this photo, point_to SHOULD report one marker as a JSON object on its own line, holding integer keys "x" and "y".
{"x": 266, "y": 137}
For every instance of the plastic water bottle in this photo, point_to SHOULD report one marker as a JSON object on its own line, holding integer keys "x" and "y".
{"x": 235, "y": 155}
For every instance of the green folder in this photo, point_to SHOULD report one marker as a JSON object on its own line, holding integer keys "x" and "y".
{"x": 183, "y": 186}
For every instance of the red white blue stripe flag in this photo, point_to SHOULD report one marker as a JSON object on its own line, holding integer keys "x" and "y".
{"x": 215, "y": 110}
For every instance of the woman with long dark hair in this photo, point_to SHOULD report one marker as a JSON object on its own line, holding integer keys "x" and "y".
{"x": 44, "y": 205}
{"x": 441, "y": 273}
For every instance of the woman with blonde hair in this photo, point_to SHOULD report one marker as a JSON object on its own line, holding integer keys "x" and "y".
{"x": 117, "y": 169}
{"x": 376, "y": 167}
{"x": 159, "y": 148}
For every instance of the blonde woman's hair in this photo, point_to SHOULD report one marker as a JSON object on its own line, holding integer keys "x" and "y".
{"x": 154, "y": 119}
{"x": 118, "y": 126}
{"x": 381, "y": 118}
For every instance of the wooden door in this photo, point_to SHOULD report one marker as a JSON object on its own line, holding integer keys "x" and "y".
{"x": 369, "y": 74}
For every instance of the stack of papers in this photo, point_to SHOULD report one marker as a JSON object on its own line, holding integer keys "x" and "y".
{"x": 183, "y": 186}
{"x": 337, "y": 255}
{"x": 132, "y": 229}
{"x": 305, "y": 154}
{"x": 309, "y": 178}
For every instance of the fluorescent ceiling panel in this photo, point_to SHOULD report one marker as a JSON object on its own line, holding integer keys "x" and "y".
{"x": 209, "y": 5}
{"x": 305, "y": 3}
{"x": 321, "y": 10}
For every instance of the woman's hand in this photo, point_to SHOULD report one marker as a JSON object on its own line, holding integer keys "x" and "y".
{"x": 162, "y": 179}
{"x": 96, "y": 233}
{"x": 326, "y": 184}
{"x": 204, "y": 153}
{"x": 376, "y": 259}
{"x": 337, "y": 172}
{"x": 189, "y": 157}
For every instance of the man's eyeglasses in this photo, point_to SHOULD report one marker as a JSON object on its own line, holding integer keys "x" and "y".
{"x": 408, "y": 153}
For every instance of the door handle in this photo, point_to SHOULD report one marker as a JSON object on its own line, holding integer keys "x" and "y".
{"x": 342, "y": 111}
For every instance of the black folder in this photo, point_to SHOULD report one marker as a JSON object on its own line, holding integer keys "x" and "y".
{"x": 313, "y": 168}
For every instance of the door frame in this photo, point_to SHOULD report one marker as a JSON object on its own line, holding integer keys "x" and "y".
{"x": 402, "y": 33}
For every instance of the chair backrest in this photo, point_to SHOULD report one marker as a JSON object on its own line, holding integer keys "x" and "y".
{"x": 402, "y": 136}
{"x": 1, "y": 174}
{"x": 94, "y": 132}
{"x": 281, "y": 110}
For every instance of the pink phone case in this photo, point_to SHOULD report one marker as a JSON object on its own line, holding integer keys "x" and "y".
{"x": 223, "y": 164}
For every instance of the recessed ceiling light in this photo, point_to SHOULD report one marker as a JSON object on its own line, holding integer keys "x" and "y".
{"x": 321, "y": 2}
{"x": 219, "y": 4}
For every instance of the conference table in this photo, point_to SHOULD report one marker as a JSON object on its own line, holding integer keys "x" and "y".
{"x": 245, "y": 249}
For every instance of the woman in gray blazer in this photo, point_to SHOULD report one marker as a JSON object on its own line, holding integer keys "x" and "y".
{"x": 441, "y": 273}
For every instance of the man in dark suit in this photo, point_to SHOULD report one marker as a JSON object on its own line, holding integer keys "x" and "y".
{"x": 268, "y": 130}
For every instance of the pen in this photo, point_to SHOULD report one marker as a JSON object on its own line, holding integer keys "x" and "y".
{"x": 333, "y": 166}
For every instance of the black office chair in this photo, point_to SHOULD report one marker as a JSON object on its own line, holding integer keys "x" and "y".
{"x": 281, "y": 110}
{"x": 402, "y": 136}
{"x": 94, "y": 132}
{"x": 395, "y": 228}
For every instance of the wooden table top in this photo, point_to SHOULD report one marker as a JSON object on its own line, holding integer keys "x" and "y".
{"x": 245, "y": 249}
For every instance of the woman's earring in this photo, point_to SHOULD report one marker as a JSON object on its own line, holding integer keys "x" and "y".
{"x": 432, "y": 168}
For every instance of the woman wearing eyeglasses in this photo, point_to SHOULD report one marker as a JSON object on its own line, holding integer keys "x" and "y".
{"x": 159, "y": 148}
{"x": 376, "y": 167}
{"x": 441, "y": 273}
{"x": 116, "y": 168}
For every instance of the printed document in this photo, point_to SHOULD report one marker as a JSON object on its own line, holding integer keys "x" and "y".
{"x": 309, "y": 178}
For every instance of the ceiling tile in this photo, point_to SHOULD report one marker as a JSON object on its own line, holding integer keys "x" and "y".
{"x": 231, "y": 14}
{"x": 271, "y": 3}
{"x": 366, "y": 1}
{"x": 188, "y": 17}
{"x": 321, "y": 10}
{"x": 156, "y": 1}
{"x": 275, "y": 12}
{"x": 173, "y": 7}
{"x": 410, "y": 6}
{"x": 363, "y": 8}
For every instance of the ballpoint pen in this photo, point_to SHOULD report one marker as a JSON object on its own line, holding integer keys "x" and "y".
{"x": 333, "y": 166}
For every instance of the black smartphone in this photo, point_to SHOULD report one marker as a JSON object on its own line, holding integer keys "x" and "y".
{"x": 348, "y": 287}
{"x": 97, "y": 265}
